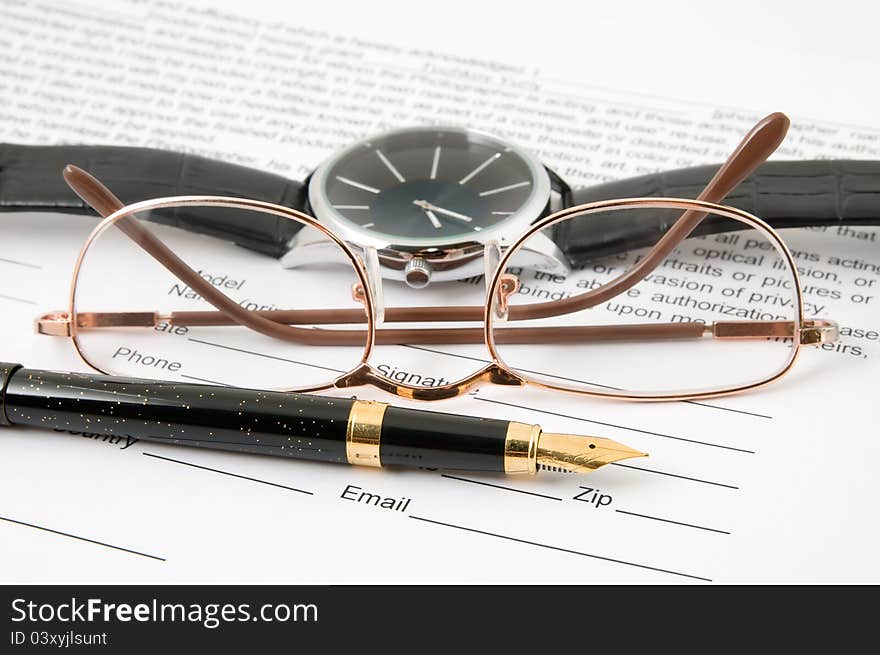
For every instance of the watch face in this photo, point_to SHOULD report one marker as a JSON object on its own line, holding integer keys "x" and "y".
{"x": 427, "y": 186}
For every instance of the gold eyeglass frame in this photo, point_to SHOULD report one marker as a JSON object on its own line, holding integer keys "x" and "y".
{"x": 496, "y": 371}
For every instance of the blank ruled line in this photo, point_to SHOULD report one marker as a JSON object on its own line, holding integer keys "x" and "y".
{"x": 79, "y": 538}
{"x": 193, "y": 377}
{"x": 726, "y": 409}
{"x": 605, "y": 386}
{"x": 673, "y": 475}
{"x": 14, "y": 299}
{"x": 657, "y": 518}
{"x": 584, "y": 382}
{"x": 252, "y": 352}
{"x": 560, "y": 549}
{"x": 498, "y": 486}
{"x": 443, "y": 352}
{"x": 620, "y": 427}
{"x": 562, "y": 377}
{"x": 20, "y": 263}
{"x": 233, "y": 475}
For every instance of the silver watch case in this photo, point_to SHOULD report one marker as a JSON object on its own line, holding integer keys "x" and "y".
{"x": 418, "y": 261}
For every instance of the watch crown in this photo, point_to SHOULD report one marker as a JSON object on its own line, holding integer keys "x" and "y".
{"x": 417, "y": 273}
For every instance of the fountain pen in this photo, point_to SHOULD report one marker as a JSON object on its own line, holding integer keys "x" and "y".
{"x": 299, "y": 426}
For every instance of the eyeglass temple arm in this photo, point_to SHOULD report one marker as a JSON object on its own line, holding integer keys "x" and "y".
{"x": 102, "y": 200}
{"x": 761, "y": 141}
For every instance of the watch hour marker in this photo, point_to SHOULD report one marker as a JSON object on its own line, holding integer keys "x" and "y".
{"x": 502, "y": 213}
{"x": 468, "y": 177}
{"x": 368, "y": 225}
{"x": 357, "y": 185}
{"x": 351, "y": 206}
{"x": 390, "y": 166}
{"x": 501, "y": 189}
{"x": 435, "y": 163}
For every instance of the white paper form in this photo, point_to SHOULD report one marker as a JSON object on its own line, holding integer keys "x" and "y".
{"x": 774, "y": 485}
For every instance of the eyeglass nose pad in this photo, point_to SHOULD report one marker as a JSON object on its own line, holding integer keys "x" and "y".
{"x": 507, "y": 286}
{"x": 370, "y": 262}
{"x": 357, "y": 293}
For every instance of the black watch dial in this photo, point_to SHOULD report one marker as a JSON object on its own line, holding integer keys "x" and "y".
{"x": 430, "y": 185}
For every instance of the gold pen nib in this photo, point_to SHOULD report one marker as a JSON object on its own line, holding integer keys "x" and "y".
{"x": 572, "y": 453}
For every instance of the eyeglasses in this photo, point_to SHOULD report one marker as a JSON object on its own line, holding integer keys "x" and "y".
{"x": 709, "y": 305}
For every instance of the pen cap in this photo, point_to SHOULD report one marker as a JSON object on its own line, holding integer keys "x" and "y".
{"x": 6, "y": 372}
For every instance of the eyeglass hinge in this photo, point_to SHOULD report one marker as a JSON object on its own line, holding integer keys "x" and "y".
{"x": 815, "y": 332}
{"x": 54, "y": 324}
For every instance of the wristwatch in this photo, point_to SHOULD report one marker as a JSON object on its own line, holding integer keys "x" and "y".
{"x": 429, "y": 199}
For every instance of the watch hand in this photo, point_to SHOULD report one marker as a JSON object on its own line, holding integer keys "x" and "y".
{"x": 424, "y": 204}
{"x": 433, "y": 218}
{"x": 452, "y": 214}
{"x": 427, "y": 206}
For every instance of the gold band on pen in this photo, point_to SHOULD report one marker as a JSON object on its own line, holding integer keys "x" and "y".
{"x": 521, "y": 448}
{"x": 363, "y": 432}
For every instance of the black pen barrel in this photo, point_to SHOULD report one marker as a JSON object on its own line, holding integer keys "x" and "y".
{"x": 225, "y": 418}
{"x": 299, "y": 426}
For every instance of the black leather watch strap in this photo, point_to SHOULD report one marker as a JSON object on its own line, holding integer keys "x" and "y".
{"x": 30, "y": 180}
{"x": 784, "y": 193}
